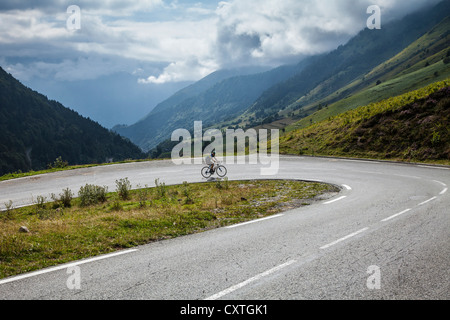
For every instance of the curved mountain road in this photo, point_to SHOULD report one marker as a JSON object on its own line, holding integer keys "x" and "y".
{"x": 384, "y": 236}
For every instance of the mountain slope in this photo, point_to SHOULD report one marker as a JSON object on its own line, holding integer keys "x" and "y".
{"x": 35, "y": 131}
{"x": 413, "y": 127}
{"x": 423, "y": 62}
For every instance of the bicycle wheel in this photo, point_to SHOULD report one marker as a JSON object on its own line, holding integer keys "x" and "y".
{"x": 206, "y": 173}
{"x": 221, "y": 171}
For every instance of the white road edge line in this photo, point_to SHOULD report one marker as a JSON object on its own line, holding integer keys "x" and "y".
{"x": 246, "y": 282}
{"x": 431, "y": 167}
{"x": 343, "y": 238}
{"x": 443, "y": 191}
{"x": 357, "y": 160}
{"x": 65, "y": 266}
{"x": 395, "y": 215}
{"x": 347, "y": 187}
{"x": 426, "y": 201}
{"x": 254, "y": 221}
{"x": 16, "y": 207}
{"x": 334, "y": 200}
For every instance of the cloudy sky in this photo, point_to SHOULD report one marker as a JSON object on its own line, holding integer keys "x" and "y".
{"x": 159, "y": 46}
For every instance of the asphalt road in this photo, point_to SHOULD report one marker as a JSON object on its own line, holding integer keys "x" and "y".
{"x": 386, "y": 235}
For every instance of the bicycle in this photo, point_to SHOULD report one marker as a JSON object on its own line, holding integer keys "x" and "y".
{"x": 217, "y": 168}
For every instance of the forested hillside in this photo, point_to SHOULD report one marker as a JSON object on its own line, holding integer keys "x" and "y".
{"x": 36, "y": 131}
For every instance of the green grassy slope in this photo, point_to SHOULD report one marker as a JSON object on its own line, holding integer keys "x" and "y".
{"x": 410, "y": 127}
{"x": 402, "y": 84}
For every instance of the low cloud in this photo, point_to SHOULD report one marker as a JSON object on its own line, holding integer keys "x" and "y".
{"x": 182, "y": 71}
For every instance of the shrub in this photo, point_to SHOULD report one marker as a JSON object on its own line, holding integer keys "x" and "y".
{"x": 91, "y": 194}
{"x": 436, "y": 138}
{"x": 142, "y": 195}
{"x": 187, "y": 193}
{"x": 123, "y": 187}
{"x": 58, "y": 164}
{"x": 160, "y": 188}
{"x": 66, "y": 198}
{"x": 40, "y": 202}
{"x": 8, "y": 207}
{"x": 41, "y": 209}
{"x": 116, "y": 205}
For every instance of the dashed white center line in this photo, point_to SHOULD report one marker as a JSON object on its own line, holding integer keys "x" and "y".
{"x": 395, "y": 215}
{"x": 443, "y": 191}
{"x": 344, "y": 238}
{"x": 254, "y": 221}
{"x": 246, "y": 282}
{"x": 426, "y": 201}
{"x": 334, "y": 200}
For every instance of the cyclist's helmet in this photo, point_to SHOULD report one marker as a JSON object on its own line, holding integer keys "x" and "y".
{"x": 213, "y": 154}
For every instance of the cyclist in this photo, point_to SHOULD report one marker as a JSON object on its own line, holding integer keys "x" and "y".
{"x": 211, "y": 160}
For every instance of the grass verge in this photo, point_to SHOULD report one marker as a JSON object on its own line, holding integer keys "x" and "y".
{"x": 59, "y": 234}
{"x": 412, "y": 127}
{"x": 19, "y": 174}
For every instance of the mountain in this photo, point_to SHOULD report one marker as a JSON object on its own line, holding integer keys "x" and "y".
{"x": 216, "y": 98}
{"x": 36, "y": 131}
{"x": 364, "y": 69}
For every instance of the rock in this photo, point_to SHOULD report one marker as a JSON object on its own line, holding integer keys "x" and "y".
{"x": 24, "y": 229}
